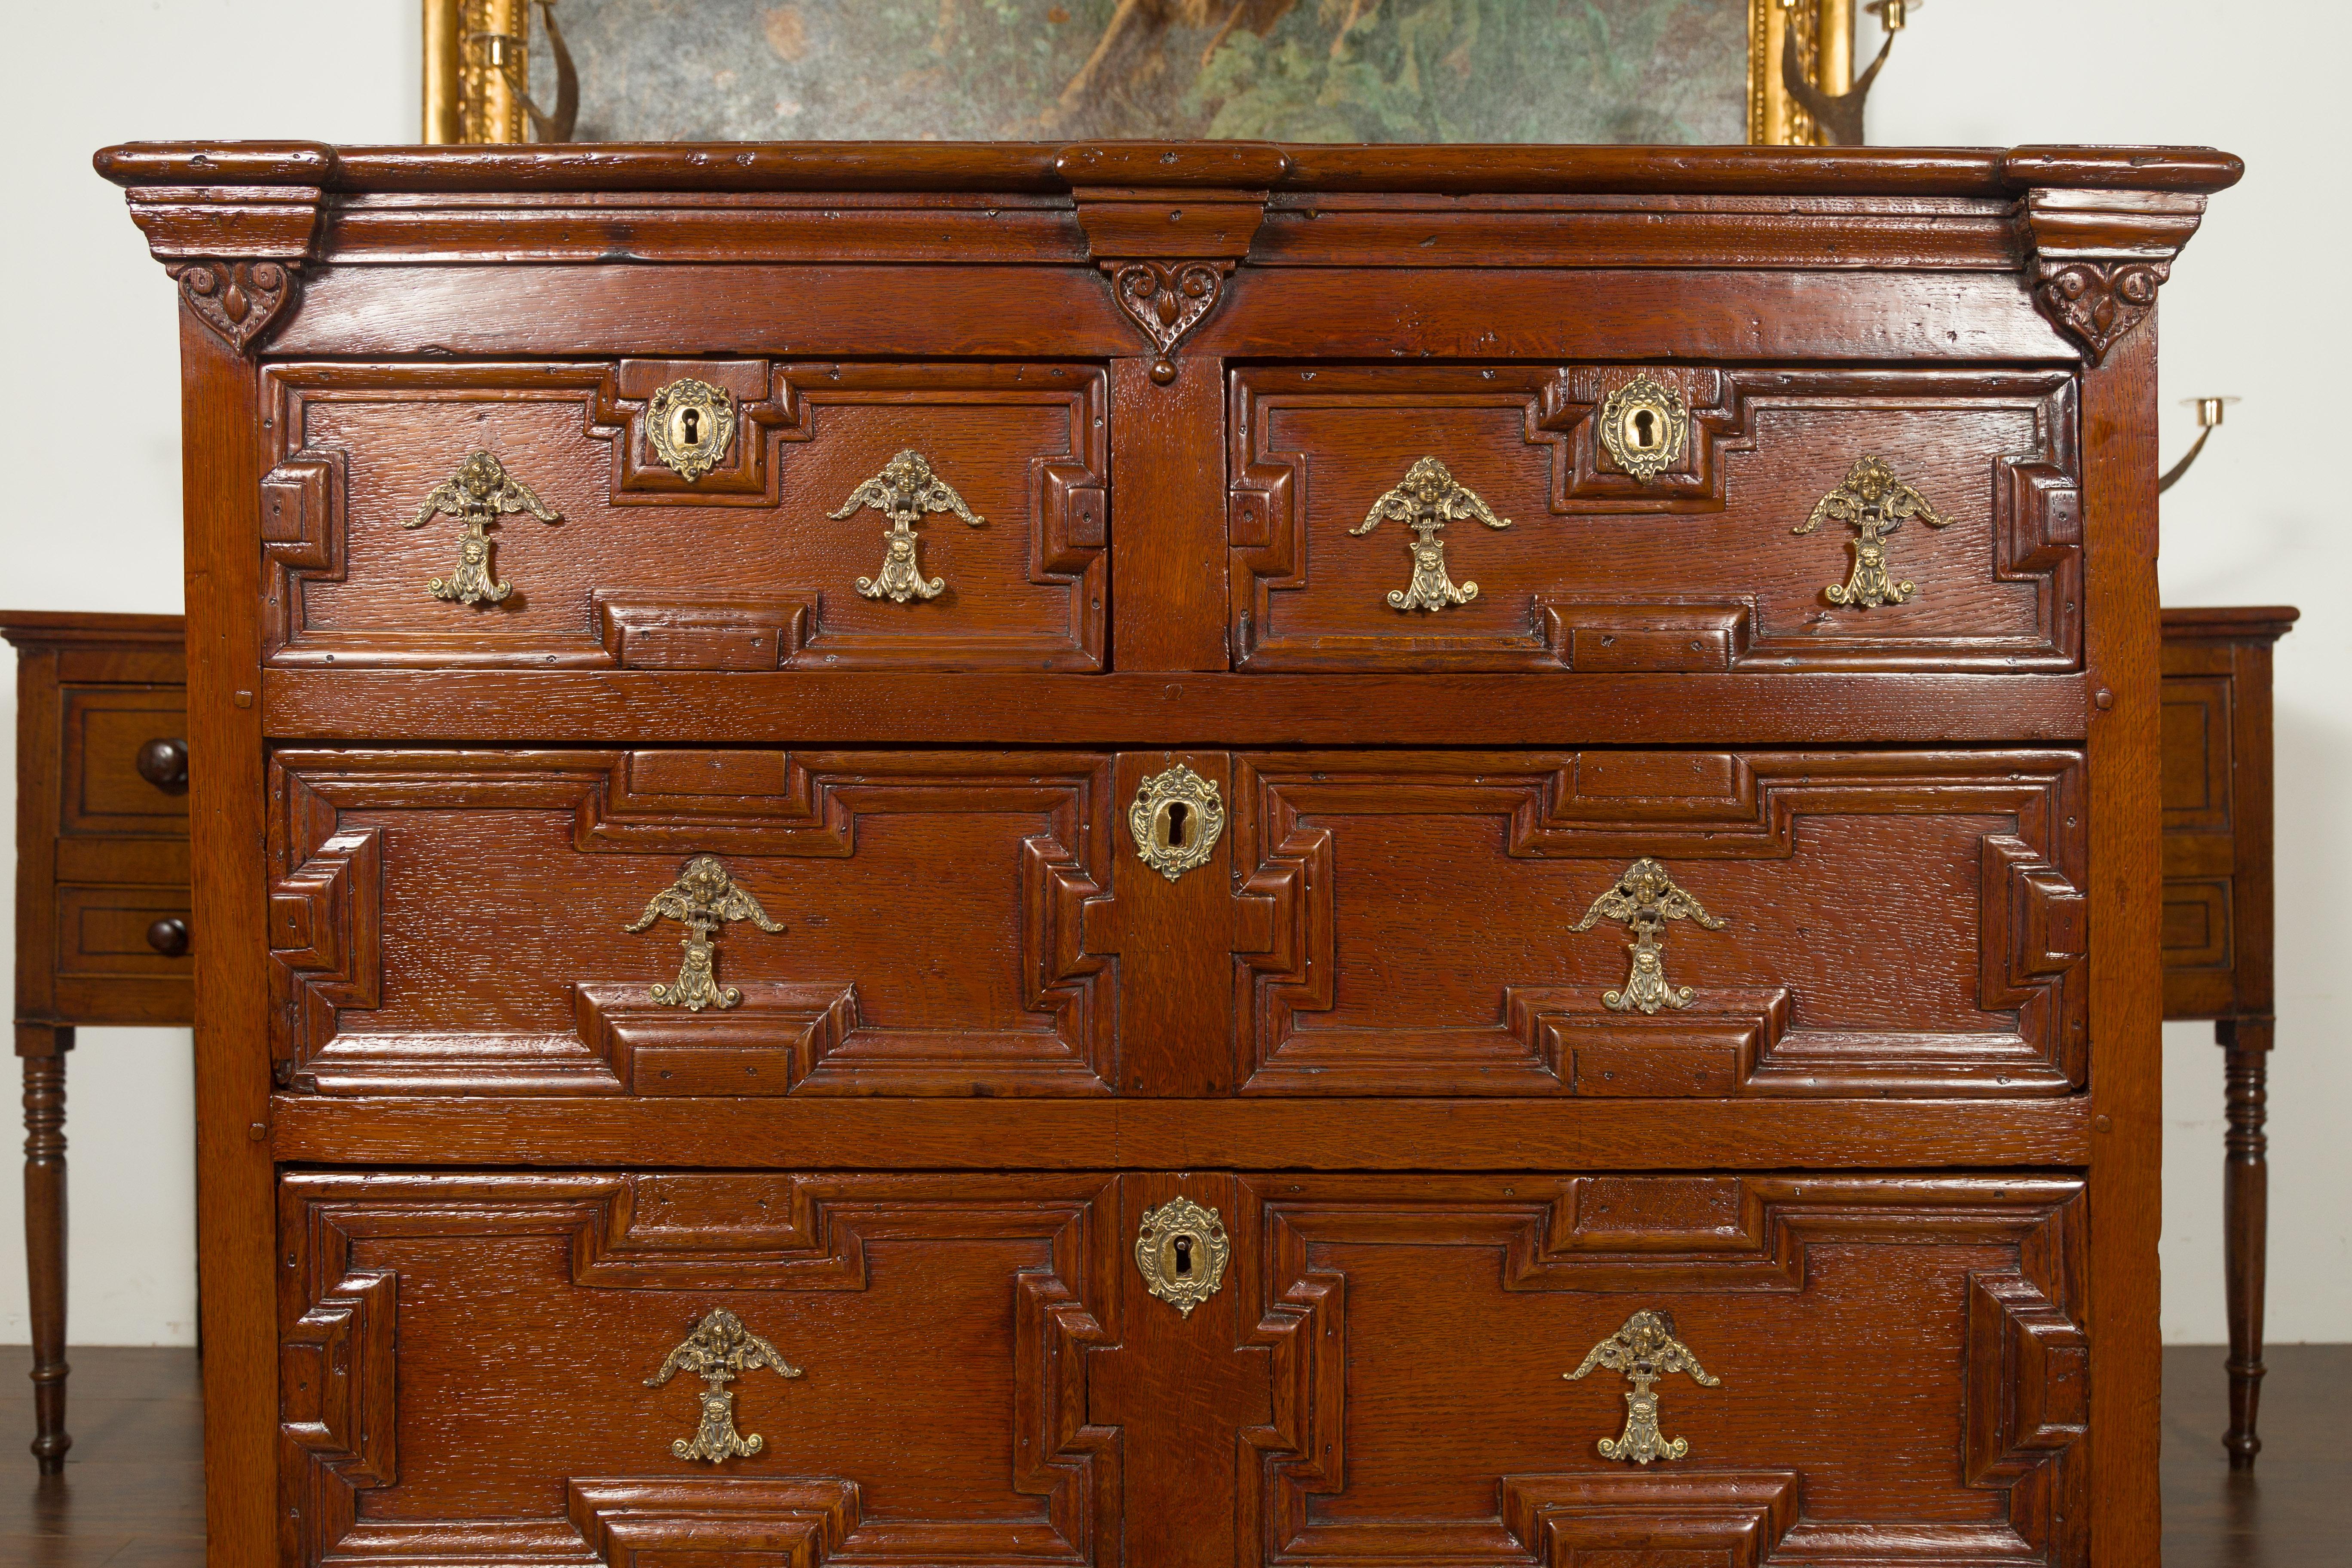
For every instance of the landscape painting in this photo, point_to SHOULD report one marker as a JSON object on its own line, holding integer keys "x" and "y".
{"x": 1287, "y": 70}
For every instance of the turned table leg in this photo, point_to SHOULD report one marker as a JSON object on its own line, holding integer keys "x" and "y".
{"x": 44, "y": 1048}
{"x": 2245, "y": 1198}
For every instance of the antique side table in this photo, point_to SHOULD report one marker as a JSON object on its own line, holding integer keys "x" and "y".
{"x": 101, "y": 899}
{"x": 2217, "y": 924}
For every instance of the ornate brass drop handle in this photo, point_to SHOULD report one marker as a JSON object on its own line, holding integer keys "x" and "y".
{"x": 904, "y": 492}
{"x": 1645, "y": 899}
{"x": 703, "y": 899}
{"x": 1426, "y": 500}
{"x": 1874, "y": 504}
{"x": 476, "y": 495}
{"x": 1645, "y": 1350}
{"x": 718, "y": 1352}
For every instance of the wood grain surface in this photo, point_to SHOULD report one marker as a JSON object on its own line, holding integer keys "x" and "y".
{"x": 1899, "y": 1151}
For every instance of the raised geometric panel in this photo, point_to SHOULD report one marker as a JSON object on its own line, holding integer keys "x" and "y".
{"x": 1899, "y": 1371}
{"x": 1693, "y": 570}
{"x": 452, "y": 923}
{"x": 739, "y": 568}
{"x": 941, "y": 1324}
{"x": 1407, "y": 923}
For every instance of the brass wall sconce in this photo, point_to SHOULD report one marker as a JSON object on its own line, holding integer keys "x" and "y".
{"x": 478, "y": 73}
{"x": 2209, "y": 419}
{"x": 1838, "y": 116}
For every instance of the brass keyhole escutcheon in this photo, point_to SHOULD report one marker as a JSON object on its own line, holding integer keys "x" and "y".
{"x": 1176, "y": 820}
{"x": 689, "y": 424}
{"x": 1182, "y": 1252}
{"x": 1644, "y": 423}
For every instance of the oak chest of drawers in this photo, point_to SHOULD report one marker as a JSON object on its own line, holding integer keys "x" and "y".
{"x": 1175, "y": 855}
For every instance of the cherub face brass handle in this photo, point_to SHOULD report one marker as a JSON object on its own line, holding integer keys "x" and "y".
{"x": 476, "y": 495}
{"x": 1645, "y": 899}
{"x": 1645, "y": 1350}
{"x": 903, "y": 491}
{"x": 1426, "y": 500}
{"x": 719, "y": 1351}
{"x": 703, "y": 899}
{"x": 1874, "y": 504}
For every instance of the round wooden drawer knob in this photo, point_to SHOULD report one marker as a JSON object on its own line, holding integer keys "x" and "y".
{"x": 169, "y": 936}
{"x": 163, "y": 763}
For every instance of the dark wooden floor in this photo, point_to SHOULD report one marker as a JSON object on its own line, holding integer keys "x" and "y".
{"x": 132, "y": 1494}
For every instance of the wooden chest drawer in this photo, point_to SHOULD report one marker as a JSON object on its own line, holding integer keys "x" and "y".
{"x": 517, "y": 1368}
{"x": 833, "y": 516}
{"x": 512, "y": 922}
{"x": 1622, "y": 520}
{"x": 1676, "y": 1369}
{"x": 1816, "y": 923}
{"x": 994, "y": 1368}
{"x": 1637, "y": 924}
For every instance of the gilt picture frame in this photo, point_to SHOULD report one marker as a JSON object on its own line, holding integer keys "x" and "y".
{"x": 1397, "y": 70}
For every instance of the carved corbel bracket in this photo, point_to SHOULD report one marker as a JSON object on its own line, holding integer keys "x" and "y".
{"x": 236, "y": 252}
{"x": 233, "y": 225}
{"x": 2095, "y": 260}
{"x": 1167, "y": 224}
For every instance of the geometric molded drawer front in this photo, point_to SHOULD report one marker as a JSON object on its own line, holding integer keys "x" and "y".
{"x": 510, "y": 1329}
{"x": 1450, "y": 924}
{"x": 526, "y": 923}
{"x": 987, "y": 552}
{"x": 1580, "y": 564}
{"x": 472, "y": 1368}
{"x": 1597, "y": 924}
{"x": 1896, "y": 1371}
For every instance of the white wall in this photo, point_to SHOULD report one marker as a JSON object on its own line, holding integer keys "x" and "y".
{"x": 90, "y": 391}
{"x": 2255, "y": 522}
{"x": 2250, "y": 312}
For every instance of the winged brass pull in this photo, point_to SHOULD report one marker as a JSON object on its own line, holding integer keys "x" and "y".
{"x": 719, "y": 1351}
{"x": 1645, "y": 899}
{"x": 1645, "y": 1350}
{"x": 903, "y": 491}
{"x": 703, "y": 899}
{"x": 1874, "y": 504}
{"x": 1426, "y": 500}
{"x": 476, "y": 495}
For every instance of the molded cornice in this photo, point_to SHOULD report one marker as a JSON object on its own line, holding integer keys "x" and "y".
{"x": 235, "y": 230}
